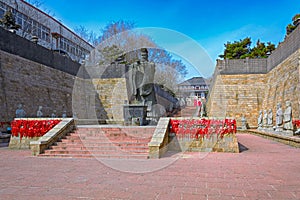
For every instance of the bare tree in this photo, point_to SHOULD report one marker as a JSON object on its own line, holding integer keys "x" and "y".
{"x": 89, "y": 36}
{"x": 119, "y": 38}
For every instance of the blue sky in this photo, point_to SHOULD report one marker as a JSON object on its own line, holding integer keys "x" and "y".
{"x": 208, "y": 23}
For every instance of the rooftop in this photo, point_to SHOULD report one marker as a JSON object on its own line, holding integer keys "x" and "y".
{"x": 195, "y": 81}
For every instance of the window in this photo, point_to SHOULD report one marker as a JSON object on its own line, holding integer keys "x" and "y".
{"x": 27, "y": 24}
{"x": 3, "y": 8}
{"x": 72, "y": 48}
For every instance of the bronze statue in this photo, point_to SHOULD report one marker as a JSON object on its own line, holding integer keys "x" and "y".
{"x": 141, "y": 80}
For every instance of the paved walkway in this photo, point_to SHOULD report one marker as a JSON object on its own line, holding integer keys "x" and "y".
{"x": 264, "y": 170}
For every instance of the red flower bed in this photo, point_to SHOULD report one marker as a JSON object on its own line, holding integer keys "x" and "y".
{"x": 296, "y": 123}
{"x": 32, "y": 128}
{"x": 196, "y": 128}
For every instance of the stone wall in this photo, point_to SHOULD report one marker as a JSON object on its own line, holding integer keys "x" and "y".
{"x": 242, "y": 66}
{"x": 247, "y": 86}
{"x": 290, "y": 45}
{"x": 32, "y": 84}
{"x": 282, "y": 84}
{"x": 14, "y": 44}
{"x": 112, "y": 93}
{"x": 235, "y": 95}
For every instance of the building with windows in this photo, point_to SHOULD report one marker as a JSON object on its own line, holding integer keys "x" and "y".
{"x": 50, "y": 33}
{"x": 194, "y": 87}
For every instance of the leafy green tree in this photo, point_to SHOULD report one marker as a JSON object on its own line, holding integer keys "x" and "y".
{"x": 112, "y": 54}
{"x": 261, "y": 50}
{"x": 291, "y": 27}
{"x": 242, "y": 49}
{"x": 237, "y": 49}
{"x": 9, "y": 21}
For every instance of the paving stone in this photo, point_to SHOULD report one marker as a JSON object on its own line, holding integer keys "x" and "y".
{"x": 267, "y": 170}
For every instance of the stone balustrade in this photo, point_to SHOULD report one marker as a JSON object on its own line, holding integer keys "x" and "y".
{"x": 52, "y": 136}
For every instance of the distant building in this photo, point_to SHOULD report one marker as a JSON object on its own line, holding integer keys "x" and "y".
{"x": 196, "y": 86}
{"x": 51, "y": 33}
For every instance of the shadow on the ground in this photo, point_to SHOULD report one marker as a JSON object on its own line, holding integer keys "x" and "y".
{"x": 171, "y": 153}
{"x": 242, "y": 148}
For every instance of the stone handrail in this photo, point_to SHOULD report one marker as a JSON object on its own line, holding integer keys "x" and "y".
{"x": 159, "y": 142}
{"x": 52, "y": 136}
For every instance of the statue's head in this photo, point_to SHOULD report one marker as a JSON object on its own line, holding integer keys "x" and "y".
{"x": 40, "y": 107}
{"x": 270, "y": 110}
{"x": 288, "y": 103}
{"x": 20, "y": 106}
{"x": 278, "y": 105}
{"x": 144, "y": 54}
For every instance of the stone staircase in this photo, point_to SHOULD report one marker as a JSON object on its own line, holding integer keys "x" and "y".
{"x": 104, "y": 142}
{"x": 4, "y": 139}
{"x": 188, "y": 111}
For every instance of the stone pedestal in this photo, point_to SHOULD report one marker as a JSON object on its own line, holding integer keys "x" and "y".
{"x": 289, "y": 133}
{"x": 279, "y": 129}
{"x": 135, "y": 114}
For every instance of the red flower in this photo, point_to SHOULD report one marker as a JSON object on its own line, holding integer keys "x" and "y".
{"x": 203, "y": 127}
{"x": 32, "y": 128}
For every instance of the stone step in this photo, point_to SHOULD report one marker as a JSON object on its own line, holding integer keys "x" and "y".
{"x": 98, "y": 152}
{"x": 97, "y": 141}
{"x": 107, "y": 142}
{"x": 4, "y": 144}
{"x": 138, "y": 131}
{"x": 188, "y": 111}
{"x": 103, "y": 136}
{"x": 96, "y": 156}
{"x": 92, "y": 143}
{"x": 109, "y": 134}
{"x": 100, "y": 137}
{"x": 100, "y": 148}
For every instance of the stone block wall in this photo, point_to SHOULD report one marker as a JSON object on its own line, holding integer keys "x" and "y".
{"x": 14, "y": 44}
{"x": 242, "y": 66}
{"x": 290, "y": 45}
{"x": 235, "y": 95}
{"x": 112, "y": 93}
{"x": 86, "y": 103}
{"x": 282, "y": 84}
{"x": 32, "y": 84}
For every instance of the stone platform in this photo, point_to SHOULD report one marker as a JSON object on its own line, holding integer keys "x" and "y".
{"x": 211, "y": 143}
{"x": 288, "y": 140}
